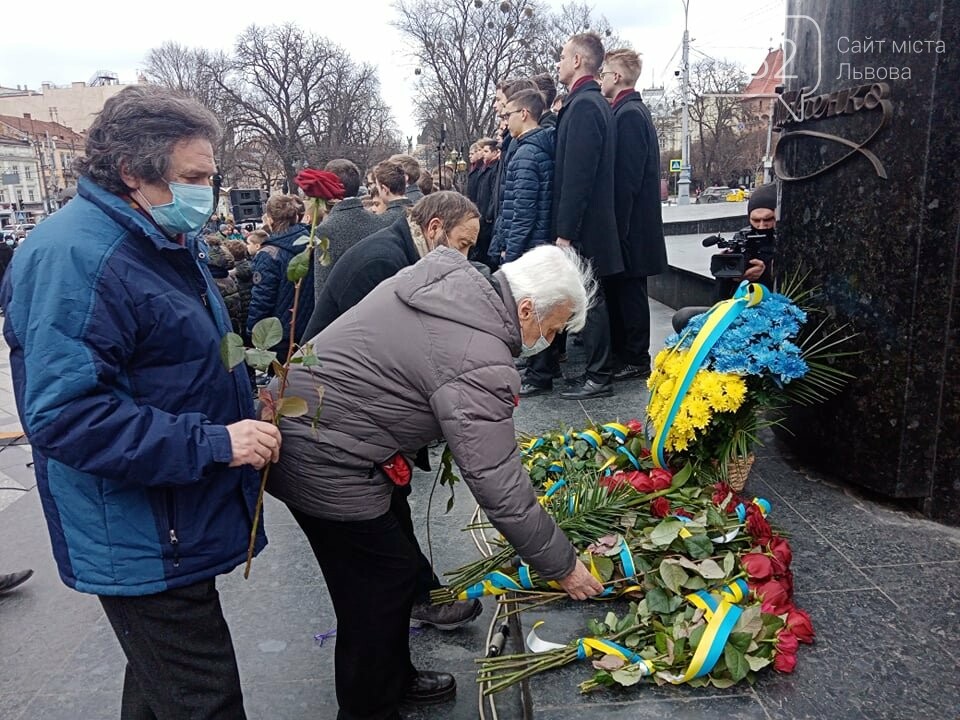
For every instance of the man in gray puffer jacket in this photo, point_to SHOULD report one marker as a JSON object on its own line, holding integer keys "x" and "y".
{"x": 428, "y": 353}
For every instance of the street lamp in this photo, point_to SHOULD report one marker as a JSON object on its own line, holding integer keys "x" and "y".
{"x": 683, "y": 183}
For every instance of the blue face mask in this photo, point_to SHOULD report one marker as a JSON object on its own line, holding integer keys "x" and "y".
{"x": 190, "y": 208}
{"x": 539, "y": 346}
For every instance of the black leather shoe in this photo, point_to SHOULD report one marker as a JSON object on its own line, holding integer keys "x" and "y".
{"x": 12, "y": 580}
{"x": 575, "y": 381}
{"x": 628, "y": 372}
{"x": 430, "y": 687}
{"x": 588, "y": 390}
{"x": 447, "y": 616}
{"x": 528, "y": 390}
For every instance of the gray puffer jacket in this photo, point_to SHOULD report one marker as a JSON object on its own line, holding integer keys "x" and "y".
{"x": 428, "y": 353}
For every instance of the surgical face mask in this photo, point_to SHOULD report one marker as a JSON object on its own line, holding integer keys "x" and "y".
{"x": 190, "y": 208}
{"x": 539, "y": 346}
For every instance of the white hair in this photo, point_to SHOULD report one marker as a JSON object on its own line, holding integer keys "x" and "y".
{"x": 551, "y": 276}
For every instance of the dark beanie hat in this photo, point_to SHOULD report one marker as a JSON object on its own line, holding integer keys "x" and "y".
{"x": 764, "y": 196}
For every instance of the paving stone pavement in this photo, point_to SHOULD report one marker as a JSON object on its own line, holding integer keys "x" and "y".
{"x": 880, "y": 582}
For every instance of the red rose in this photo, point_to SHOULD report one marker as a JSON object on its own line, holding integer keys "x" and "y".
{"x": 757, "y": 526}
{"x": 787, "y": 643}
{"x": 612, "y": 482}
{"x": 774, "y": 596}
{"x": 640, "y": 481}
{"x": 784, "y": 663}
{"x": 634, "y": 426}
{"x": 680, "y": 512}
{"x": 720, "y": 493}
{"x": 781, "y": 550}
{"x": 799, "y": 623}
{"x": 319, "y": 184}
{"x": 660, "y": 507}
{"x": 757, "y": 566}
{"x": 645, "y": 453}
{"x": 662, "y": 479}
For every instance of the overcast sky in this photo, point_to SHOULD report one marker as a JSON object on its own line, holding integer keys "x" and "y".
{"x": 72, "y": 40}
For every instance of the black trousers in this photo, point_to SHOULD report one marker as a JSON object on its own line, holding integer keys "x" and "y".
{"x": 427, "y": 580}
{"x": 180, "y": 659}
{"x": 596, "y": 341}
{"x": 543, "y": 367}
{"x": 629, "y": 309}
{"x": 371, "y": 569}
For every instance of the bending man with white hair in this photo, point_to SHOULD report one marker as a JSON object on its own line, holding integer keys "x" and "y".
{"x": 428, "y": 354}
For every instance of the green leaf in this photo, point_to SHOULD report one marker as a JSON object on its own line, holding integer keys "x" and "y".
{"x": 299, "y": 266}
{"x": 714, "y": 518}
{"x": 729, "y": 562}
{"x": 311, "y": 361}
{"x": 231, "y": 350}
{"x": 660, "y": 640}
{"x": 698, "y": 546}
{"x": 630, "y": 675}
{"x": 757, "y": 663}
{"x": 736, "y": 662}
{"x": 604, "y": 567}
{"x": 719, "y": 682}
{"x": 260, "y": 359}
{"x": 625, "y": 622}
{"x": 267, "y": 333}
{"x": 749, "y": 621}
{"x": 610, "y": 620}
{"x": 681, "y": 477}
{"x": 596, "y": 628}
{"x": 666, "y": 532}
{"x": 696, "y": 634}
{"x": 710, "y": 570}
{"x": 673, "y": 575}
{"x": 740, "y": 640}
{"x": 658, "y": 601}
{"x": 292, "y": 406}
{"x": 679, "y": 648}
{"x": 631, "y": 641}
{"x": 695, "y": 582}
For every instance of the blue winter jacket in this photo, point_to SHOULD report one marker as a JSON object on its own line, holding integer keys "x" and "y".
{"x": 272, "y": 293}
{"x": 114, "y": 333}
{"x": 525, "y": 196}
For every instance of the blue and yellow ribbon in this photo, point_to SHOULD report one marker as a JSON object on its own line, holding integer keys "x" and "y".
{"x": 719, "y": 318}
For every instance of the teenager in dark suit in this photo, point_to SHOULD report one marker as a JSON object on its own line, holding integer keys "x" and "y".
{"x": 639, "y": 221}
{"x": 583, "y": 211}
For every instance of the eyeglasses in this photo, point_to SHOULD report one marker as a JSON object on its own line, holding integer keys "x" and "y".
{"x": 607, "y": 72}
{"x": 506, "y": 115}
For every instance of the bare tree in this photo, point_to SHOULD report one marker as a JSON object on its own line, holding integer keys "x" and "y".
{"x": 194, "y": 71}
{"x": 464, "y": 47}
{"x": 286, "y": 98}
{"x": 715, "y": 115}
{"x": 571, "y": 19}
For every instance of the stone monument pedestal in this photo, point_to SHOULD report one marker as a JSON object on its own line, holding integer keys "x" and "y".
{"x": 870, "y": 204}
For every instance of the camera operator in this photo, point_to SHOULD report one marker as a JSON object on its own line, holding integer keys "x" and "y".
{"x": 758, "y": 239}
{"x": 757, "y": 242}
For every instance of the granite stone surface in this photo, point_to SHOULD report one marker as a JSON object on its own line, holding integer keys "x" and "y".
{"x": 878, "y": 579}
{"x": 884, "y": 249}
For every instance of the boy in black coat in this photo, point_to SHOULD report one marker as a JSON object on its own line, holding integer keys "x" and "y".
{"x": 639, "y": 220}
{"x": 583, "y": 212}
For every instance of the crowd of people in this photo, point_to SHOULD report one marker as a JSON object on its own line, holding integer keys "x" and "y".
{"x": 147, "y": 448}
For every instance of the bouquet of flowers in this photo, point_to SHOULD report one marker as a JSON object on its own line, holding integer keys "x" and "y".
{"x": 716, "y": 384}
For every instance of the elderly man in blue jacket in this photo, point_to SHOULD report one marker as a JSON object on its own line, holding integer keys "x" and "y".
{"x": 144, "y": 444}
{"x": 526, "y": 194}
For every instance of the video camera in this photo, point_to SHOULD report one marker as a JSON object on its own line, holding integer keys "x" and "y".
{"x": 743, "y": 247}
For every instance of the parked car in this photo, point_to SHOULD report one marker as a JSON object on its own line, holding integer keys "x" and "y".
{"x": 23, "y": 229}
{"x": 714, "y": 193}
